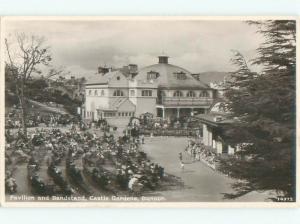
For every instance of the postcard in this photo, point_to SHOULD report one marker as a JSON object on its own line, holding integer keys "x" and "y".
{"x": 148, "y": 111}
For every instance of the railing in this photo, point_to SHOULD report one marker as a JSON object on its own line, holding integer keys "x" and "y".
{"x": 186, "y": 101}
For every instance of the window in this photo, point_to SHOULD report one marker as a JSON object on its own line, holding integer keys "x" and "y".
{"x": 152, "y": 75}
{"x": 96, "y": 93}
{"x": 132, "y": 92}
{"x": 180, "y": 75}
{"x": 90, "y": 92}
{"x": 204, "y": 94}
{"x": 146, "y": 92}
{"x": 178, "y": 94}
{"x": 102, "y": 92}
{"x": 118, "y": 77}
{"x": 118, "y": 93}
{"x": 191, "y": 94}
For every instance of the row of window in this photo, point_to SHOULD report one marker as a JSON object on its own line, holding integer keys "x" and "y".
{"x": 119, "y": 114}
{"x": 96, "y": 93}
{"x": 121, "y": 93}
{"x": 154, "y": 75}
{"x": 177, "y": 93}
{"x": 110, "y": 114}
{"x": 190, "y": 94}
{"x": 102, "y": 93}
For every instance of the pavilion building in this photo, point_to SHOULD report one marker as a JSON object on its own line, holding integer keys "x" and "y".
{"x": 162, "y": 89}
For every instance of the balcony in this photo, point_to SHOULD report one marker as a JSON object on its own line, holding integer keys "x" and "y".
{"x": 185, "y": 101}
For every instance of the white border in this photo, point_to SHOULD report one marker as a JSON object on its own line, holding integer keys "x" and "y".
{"x": 137, "y": 204}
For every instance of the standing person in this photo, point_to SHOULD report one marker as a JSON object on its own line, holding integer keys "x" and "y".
{"x": 143, "y": 138}
{"x": 180, "y": 157}
{"x": 182, "y": 166}
{"x": 181, "y": 163}
{"x": 193, "y": 153}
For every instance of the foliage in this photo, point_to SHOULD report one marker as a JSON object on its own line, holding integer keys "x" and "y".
{"x": 23, "y": 60}
{"x": 264, "y": 105}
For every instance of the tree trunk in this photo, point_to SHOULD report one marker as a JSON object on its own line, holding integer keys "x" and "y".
{"x": 23, "y": 110}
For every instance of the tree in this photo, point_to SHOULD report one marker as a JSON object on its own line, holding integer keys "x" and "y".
{"x": 263, "y": 105}
{"x": 23, "y": 60}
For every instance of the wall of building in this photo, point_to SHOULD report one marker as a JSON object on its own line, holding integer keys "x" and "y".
{"x": 144, "y": 105}
{"x": 118, "y": 80}
{"x": 95, "y": 97}
{"x": 205, "y": 135}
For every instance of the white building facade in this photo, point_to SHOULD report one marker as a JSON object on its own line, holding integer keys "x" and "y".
{"x": 162, "y": 89}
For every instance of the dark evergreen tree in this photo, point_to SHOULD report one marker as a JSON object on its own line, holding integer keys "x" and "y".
{"x": 263, "y": 105}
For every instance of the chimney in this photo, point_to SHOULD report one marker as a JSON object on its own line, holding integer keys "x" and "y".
{"x": 103, "y": 70}
{"x": 163, "y": 59}
{"x": 133, "y": 68}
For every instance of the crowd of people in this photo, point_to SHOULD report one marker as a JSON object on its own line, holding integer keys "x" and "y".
{"x": 168, "y": 127}
{"x": 114, "y": 163}
{"x": 199, "y": 152}
{"x": 34, "y": 119}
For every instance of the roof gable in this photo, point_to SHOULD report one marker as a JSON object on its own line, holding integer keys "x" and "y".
{"x": 110, "y": 78}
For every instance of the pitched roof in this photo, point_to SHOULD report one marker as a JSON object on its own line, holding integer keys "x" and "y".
{"x": 116, "y": 103}
{"x": 167, "y": 76}
{"x": 102, "y": 79}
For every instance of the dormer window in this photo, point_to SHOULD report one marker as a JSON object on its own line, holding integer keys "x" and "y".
{"x": 180, "y": 75}
{"x": 152, "y": 75}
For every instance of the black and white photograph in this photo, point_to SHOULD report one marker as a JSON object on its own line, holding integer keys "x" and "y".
{"x": 149, "y": 110}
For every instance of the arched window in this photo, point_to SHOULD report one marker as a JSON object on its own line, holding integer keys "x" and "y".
{"x": 118, "y": 93}
{"x": 90, "y": 92}
{"x": 178, "y": 94}
{"x": 96, "y": 93}
{"x": 190, "y": 94}
{"x": 204, "y": 94}
{"x": 102, "y": 92}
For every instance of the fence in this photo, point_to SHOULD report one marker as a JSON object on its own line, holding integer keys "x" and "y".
{"x": 170, "y": 132}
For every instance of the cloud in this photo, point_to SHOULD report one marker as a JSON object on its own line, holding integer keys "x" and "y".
{"x": 197, "y": 46}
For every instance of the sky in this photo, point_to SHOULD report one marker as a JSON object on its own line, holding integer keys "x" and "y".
{"x": 198, "y": 46}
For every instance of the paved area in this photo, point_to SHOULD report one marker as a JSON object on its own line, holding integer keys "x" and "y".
{"x": 201, "y": 183}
